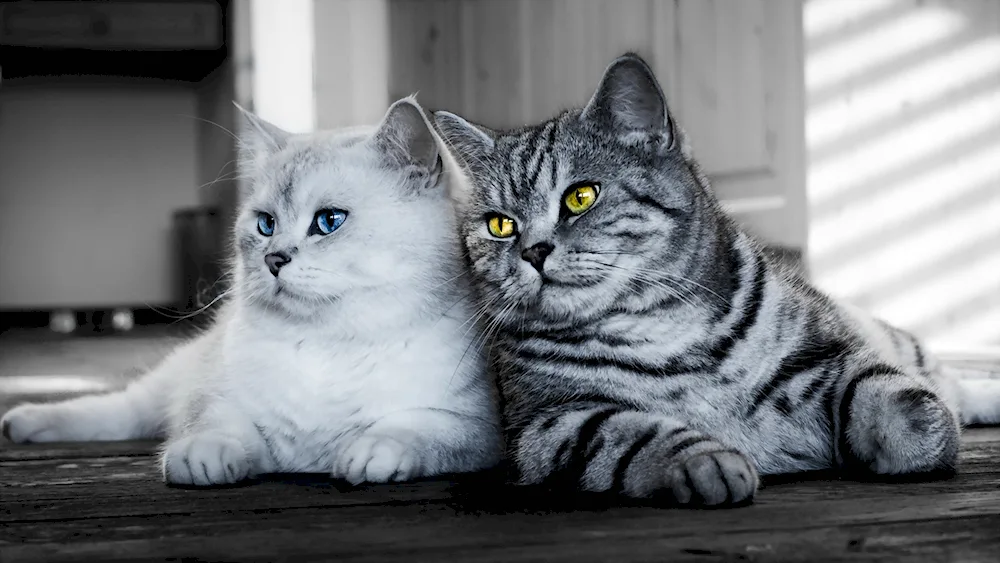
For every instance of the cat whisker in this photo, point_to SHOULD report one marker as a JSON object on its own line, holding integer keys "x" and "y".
{"x": 218, "y": 126}
{"x": 220, "y": 176}
{"x": 177, "y": 316}
{"x": 449, "y": 280}
{"x": 655, "y": 272}
{"x": 644, "y": 278}
{"x": 482, "y": 310}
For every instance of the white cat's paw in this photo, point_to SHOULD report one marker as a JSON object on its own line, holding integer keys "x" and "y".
{"x": 205, "y": 459}
{"x": 30, "y": 423}
{"x": 374, "y": 458}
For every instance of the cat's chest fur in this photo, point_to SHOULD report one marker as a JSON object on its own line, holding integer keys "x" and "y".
{"x": 305, "y": 390}
{"x": 648, "y": 362}
{"x": 719, "y": 399}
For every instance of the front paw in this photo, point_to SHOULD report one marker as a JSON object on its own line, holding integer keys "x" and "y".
{"x": 893, "y": 428}
{"x": 30, "y": 423}
{"x": 205, "y": 459}
{"x": 375, "y": 458}
{"x": 712, "y": 479}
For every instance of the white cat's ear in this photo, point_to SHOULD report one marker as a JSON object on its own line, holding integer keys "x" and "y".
{"x": 405, "y": 136}
{"x": 629, "y": 100}
{"x": 467, "y": 141}
{"x": 258, "y": 138}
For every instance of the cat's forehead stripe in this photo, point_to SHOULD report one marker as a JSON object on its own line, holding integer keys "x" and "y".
{"x": 527, "y": 154}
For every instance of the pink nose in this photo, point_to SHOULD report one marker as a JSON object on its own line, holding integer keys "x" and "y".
{"x": 276, "y": 260}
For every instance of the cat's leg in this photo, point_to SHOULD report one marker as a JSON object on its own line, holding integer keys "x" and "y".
{"x": 890, "y": 422}
{"x": 219, "y": 446}
{"x": 610, "y": 449}
{"x": 417, "y": 443}
{"x": 139, "y": 411}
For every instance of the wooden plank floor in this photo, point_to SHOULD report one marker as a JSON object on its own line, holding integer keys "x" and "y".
{"x": 105, "y": 502}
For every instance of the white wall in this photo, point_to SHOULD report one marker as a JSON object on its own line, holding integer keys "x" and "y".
{"x": 903, "y": 129}
{"x": 282, "y": 42}
{"x": 89, "y": 178}
{"x": 318, "y": 64}
{"x": 351, "y": 62}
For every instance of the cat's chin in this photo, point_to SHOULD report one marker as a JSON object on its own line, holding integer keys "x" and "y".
{"x": 564, "y": 300}
{"x": 283, "y": 291}
{"x": 563, "y": 305}
{"x": 294, "y": 302}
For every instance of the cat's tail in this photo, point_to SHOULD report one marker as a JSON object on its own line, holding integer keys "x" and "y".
{"x": 978, "y": 394}
{"x": 139, "y": 411}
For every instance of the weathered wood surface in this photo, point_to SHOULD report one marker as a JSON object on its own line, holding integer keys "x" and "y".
{"x": 105, "y": 502}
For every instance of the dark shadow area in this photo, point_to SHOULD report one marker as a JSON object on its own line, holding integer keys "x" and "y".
{"x": 831, "y": 475}
{"x": 190, "y": 64}
{"x": 491, "y": 493}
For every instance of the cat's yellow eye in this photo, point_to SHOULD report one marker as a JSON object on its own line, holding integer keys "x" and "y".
{"x": 501, "y": 226}
{"x": 580, "y": 198}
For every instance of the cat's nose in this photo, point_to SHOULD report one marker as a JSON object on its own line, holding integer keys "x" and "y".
{"x": 536, "y": 254}
{"x": 276, "y": 260}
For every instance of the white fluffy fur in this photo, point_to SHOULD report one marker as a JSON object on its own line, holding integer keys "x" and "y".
{"x": 356, "y": 360}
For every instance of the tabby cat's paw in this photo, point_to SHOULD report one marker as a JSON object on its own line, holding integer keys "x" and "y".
{"x": 375, "y": 458}
{"x": 712, "y": 479}
{"x": 30, "y": 423}
{"x": 205, "y": 459}
{"x": 892, "y": 429}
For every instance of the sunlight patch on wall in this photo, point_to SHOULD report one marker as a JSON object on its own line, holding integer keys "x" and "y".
{"x": 968, "y": 332}
{"x": 920, "y": 249}
{"x": 823, "y": 16}
{"x": 903, "y": 146}
{"x": 920, "y": 85}
{"x": 903, "y": 132}
{"x": 897, "y": 204}
{"x": 842, "y": 60}
{"x": 941, "y": 293}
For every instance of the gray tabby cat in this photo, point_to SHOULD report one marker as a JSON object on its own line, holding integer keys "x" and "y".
{"x": 647, "y": 346}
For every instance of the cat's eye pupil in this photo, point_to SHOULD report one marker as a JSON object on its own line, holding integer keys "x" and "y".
{"x": 328, "y": 220}
{"x": 265, "y": 224}
{"x": 581, "y": 198}
{"x": 500, "y": 226}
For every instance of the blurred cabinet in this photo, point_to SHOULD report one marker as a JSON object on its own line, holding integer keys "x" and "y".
{"x": 112, "y": 116}
{"x": 732, "y": 71}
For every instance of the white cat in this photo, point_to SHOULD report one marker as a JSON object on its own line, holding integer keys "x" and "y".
{"x": 347, "y": 344}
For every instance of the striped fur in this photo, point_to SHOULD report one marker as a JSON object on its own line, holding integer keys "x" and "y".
{"x": 660, "y": 352}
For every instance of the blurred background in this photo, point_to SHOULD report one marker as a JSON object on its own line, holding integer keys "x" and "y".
{"x": 859, "y": 138}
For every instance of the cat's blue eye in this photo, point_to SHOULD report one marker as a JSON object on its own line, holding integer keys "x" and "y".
{"x": 265, "y": 224}
{"x": 327, "y": 221}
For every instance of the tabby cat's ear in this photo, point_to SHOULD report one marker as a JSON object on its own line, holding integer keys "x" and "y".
{"x": 629, "y": 101}
{"x": 406, "y": 138}
{"x": 258, "y": 138}
{"x": 466, "y": 141}
{"x": 464, "y": 145}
